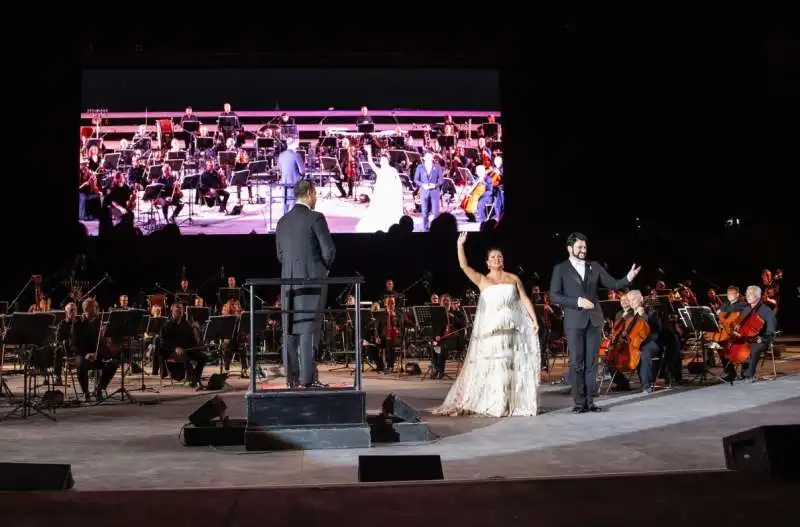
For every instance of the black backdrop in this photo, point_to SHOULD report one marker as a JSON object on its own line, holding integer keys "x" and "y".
{"x": 600, "y": 132}
{"x": 290, "y": 89}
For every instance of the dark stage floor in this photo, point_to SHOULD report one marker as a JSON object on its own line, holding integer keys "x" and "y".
{"x": 138, "y": 447}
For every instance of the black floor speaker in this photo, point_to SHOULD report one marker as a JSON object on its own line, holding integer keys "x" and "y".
{"x": 770, "y": 451}
{"x": 35, "y": 476}
{"x": 375, "y": 469}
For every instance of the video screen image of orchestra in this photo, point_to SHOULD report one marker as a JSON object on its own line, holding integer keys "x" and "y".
{"x": 223, "y": 171}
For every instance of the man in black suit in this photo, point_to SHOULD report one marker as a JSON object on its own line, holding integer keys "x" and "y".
{"x": 573, "y": 286}
{"x": 305, "y": 250}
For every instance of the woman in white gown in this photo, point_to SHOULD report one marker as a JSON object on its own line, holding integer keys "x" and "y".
{"x": 500, "y": 376}
{"x": 386, "y": 204}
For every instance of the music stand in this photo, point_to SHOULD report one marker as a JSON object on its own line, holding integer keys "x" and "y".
{"x": 29, "y": 330}
{"x": 433, "y": 319}
{"x": 366, "y": 128}
{"x": 226, "y": 158}
{"x": 187, "y": 299}
{"x": 447, "y": 141}
{"x": 197, "y": 314}
{"x": 227, "y": 293}
{"x": 227, "y": 121}
{"x": 609, "y": 308}
{"x": 155, "y": 172}
{"x": 124, "y": 324}
{"x": 220, "y": 327}
{"x": 204, "y": 143}
{"x": 367, "y": 322}
{"x": 240, "y": 178}
{"x": 700, "y": 319}
{"x": 152, "y": 326}
{"x": 489, "y": 129}
{"x": 265, "y": 143}
{"x": 190, "y": 183}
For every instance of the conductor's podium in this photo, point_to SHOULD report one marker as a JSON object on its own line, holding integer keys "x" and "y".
{"x": 279, "y": 418}
{"x": 307, "y": 419}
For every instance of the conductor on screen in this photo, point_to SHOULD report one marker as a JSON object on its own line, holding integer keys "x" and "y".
{"x": 292, "y": 171}
{"x": 429, "y": 178}
{"x": 305, "y": 249}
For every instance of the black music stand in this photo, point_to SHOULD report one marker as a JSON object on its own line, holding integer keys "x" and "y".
{"x": 204, "y": 143}
{"x": 226, "y": 158}
{"x": 29, "y": 330}
{"x": 447, "y": 141}
{"x": 366, "y": 128}
{"x": 190, "y": 183}
{"x": 700, "y": 319}
{"x": 265, "y": 143}
{"x": 367, "y": 328}
{"x": 227, "y": 293}
{"x": 152, "y": 326}
{"x": 240, "y": 178}
{"x": 197, "y": 314}
{"x": 433, "y": 320}
{"x": 124, "y": 325}
{"x": 609, "y": 308}
{"x": 220, "y": 327}
{"x": 187, "y": 299}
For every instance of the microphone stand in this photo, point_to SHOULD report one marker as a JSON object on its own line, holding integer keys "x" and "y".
{"x": 21, "y": 292}
{"x": 706, "y": 280}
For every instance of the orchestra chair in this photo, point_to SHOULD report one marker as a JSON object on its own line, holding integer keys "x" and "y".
{"x": 658, "y": 366}
{"x": 557, "y": 349}
{"x": 771, "y": 352}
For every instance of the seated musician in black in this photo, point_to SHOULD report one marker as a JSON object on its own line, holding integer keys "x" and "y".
{"x": 63, "y": 337}
{"x": 211, "y": 184}
{"x": 177, "y": 340}
{"x": 762, "y": 341}
{"x": 171, "y": 195}
{"x": 388, "y": 331}
{"x": 650, "y": 348}
{"x": 449, "y": 340}
{"x": 90, "y": 351}
{"x": 118, "y": 199}
{"x": 734, "y": 303}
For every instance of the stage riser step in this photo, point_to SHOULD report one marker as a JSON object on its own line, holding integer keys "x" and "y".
{"x": 261, "y": 440}
{"x": 299, "y": 408}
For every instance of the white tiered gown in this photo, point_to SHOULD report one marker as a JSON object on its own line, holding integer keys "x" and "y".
{"x": 386, "y": 205}
{"x": 500, "y": 376}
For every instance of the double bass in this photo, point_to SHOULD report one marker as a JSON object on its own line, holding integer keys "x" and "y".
{"x": 625, "y": 349}
{"x": 744, "y": 335}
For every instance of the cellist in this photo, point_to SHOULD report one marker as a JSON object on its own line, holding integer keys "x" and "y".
{"x": 649, "y": 348}
{"x": 760, "y": 342}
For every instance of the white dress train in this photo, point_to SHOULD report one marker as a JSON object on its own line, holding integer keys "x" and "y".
{"x": 500, "y": 376}
{"x": 386, "y": 204}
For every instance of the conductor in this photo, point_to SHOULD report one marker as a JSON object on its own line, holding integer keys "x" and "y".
{"x": 305, "y": 249}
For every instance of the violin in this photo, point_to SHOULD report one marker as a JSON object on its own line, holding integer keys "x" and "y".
{"x": 625, "y": 353}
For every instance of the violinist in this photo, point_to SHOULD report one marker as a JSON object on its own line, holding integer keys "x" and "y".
{"x": 388, "y": 335}
{"x": 178, "y": 342}
{"x": 88, "y": 346}
{"x": 171, "y": 194}
{"x": 229, "y": 347}
{"x": 771, "y": 288}
{"x": 454, "y": 337}
{"x": 484, "y": 154}
{"x": 94, "y": 159}
{"x": 761, "y": 341}
{"x": 212, "y": 185}
{"x": 649, "y": 348}
{"x": 136, "y": 173}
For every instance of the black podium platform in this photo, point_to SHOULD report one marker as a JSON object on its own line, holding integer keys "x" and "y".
{"x": 309, "y": 419}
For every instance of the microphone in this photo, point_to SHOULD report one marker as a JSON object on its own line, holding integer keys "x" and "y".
{"x": 536, "y": 275}
{"x": 222, "y": 272}
{"x": 520, "y": 270}
{"x": 183, "y": 272}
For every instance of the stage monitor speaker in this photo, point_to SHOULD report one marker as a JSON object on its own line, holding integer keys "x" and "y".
{"x": 770, "y": 451}
{"x": 376, "y": 469}
{"x": 211, "y": 409}
{"x": 394, "y": 405}
{"x": 216, "y": 381}
{"x": 35, "y": 476}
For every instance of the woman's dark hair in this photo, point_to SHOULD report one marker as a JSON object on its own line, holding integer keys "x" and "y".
{"x": 575, "y": 237}
{"x": 490, "y": 249}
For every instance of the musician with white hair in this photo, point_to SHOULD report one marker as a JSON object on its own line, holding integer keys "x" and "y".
{"x": 762, "y": 341}
{"x": 650, "y": 348}
{"x": 494, "y": 195}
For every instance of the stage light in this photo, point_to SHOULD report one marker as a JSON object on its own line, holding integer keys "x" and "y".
{"x": 733, "y": 222}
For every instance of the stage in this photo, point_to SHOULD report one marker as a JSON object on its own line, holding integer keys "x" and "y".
{"x": 342, "y": 214}
{"x": 124, "y": 446}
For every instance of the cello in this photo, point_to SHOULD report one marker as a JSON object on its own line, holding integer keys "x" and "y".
{"x": 626, "y": 353}
{"x": 744, "y": 335}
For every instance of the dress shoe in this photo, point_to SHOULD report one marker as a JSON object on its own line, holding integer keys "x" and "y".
{"x": 578, "y": 409}
{"x": 593, "y": 408}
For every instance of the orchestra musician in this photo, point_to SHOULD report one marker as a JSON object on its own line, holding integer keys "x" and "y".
{"x": 761, "y": 341}
{"x": 178, "y": 342}
{"x": 484, "y": 154}
{"x": 388, "y": 335}
{"x": 364, "y": 118}
{"x": 451, "y": 340}
{"x": 137, "y": 178}
{"x": 735, "y": 303}
{"x": 94, "y": 161}
{"x": 88, "y": 193}
{"x": 171, "y": 194}
{"x": 650, "y": 348}
{"x": 625, "y": 305}
{"x": 189, "y": 116}
{"x": 771, "y": 288}
{"x": 120, "y": 199}
{"x": 90, "y": 349}
{"x": 212, "y": 185}
{"x": 63, "y": 336}
{"x": 230, "y": 131}
{"x": 494, "y": 196}
{"x": 347, "y": 168}
{"x": 233, "y": 307}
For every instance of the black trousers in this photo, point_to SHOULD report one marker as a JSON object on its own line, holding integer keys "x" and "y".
{"x": 376, "y": 355}
{"x": 583, "y": 345}
{"x": 107, "y": 369}
{"x": 649, "y": 351}
{"x": 755, "y": 353}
